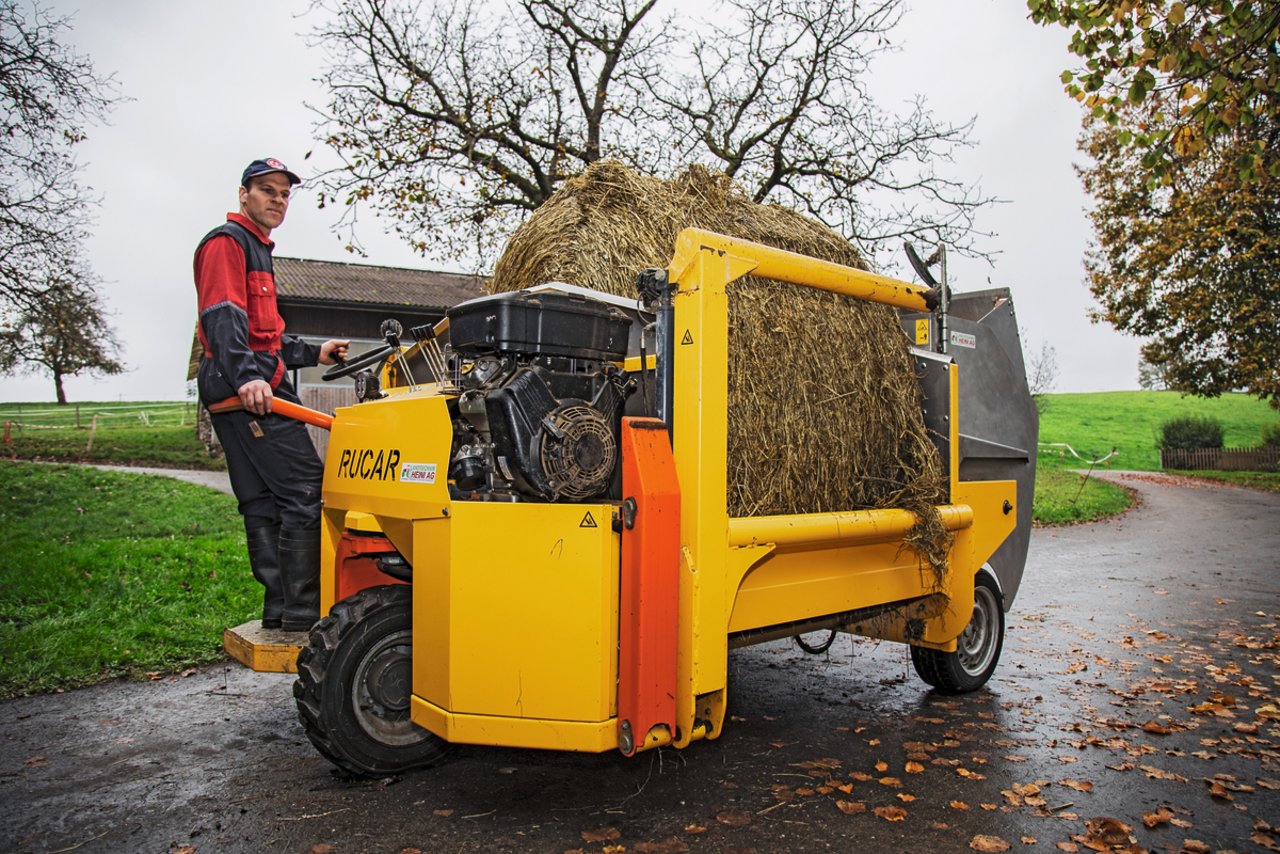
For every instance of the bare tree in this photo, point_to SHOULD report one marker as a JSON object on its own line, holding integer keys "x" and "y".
{"x": 48, "y": 94}
{"x": 1042, "y": 373}
{"x": 1152, "y": 376}
{"x": 457, "y": 118}
{"x": 63, "y": 332}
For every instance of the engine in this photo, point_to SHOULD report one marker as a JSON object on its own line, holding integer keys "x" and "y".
{"x": 540, "y": 399}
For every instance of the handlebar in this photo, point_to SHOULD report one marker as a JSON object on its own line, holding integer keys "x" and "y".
{"x": 295, "y": 411}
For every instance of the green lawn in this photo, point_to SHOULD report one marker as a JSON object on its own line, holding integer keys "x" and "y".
{"x": 111, "y": 574}
{"x": 1130, "y": 422}
{"x": 156, "y": 433}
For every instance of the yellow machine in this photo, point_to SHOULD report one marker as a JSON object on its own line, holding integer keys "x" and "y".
{"x": 510, "y": 559}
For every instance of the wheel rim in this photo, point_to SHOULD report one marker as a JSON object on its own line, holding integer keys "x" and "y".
{"x": 381, "y": 689}
{"x": 976, "y": 647}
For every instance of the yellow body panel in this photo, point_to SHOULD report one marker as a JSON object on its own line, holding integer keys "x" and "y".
{"x": 582, "y": 737}
{"x": 515, "y": 610}
{"x": 386, "y": 466}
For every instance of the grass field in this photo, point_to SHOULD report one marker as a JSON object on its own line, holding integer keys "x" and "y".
{"x": 111, "y": 574}
{"x": 1129, "y": 421}
{"x": 131, "y": 433}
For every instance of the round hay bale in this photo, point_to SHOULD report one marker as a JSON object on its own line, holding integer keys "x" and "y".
{"x": 824, "y": 405}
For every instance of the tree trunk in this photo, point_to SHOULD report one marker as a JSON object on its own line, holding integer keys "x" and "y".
{"x": 62, "y": 395}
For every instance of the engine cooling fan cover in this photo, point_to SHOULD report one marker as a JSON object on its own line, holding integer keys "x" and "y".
{"x": 578, "y": 452}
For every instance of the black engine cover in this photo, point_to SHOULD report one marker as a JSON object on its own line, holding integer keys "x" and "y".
{"x": 556, "y": 448}
{"x": 539, "y": 324}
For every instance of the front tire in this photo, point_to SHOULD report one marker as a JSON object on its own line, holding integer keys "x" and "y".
{"x": 355, "y": 682}
{"x": 977, "y": 649}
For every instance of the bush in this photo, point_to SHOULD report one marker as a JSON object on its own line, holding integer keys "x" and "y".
{"x": 1271, "y": 435}
{"x": 1191, "y": 432}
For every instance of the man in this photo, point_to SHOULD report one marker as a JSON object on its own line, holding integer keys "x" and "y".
{"x": 274, "y": 470}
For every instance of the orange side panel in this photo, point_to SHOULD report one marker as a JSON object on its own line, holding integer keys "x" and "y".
{"x": 356, "y": 564}
{"x": 649, "y": 598}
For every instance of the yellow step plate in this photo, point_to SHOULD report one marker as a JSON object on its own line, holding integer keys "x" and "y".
{"x": 264, "y": 650}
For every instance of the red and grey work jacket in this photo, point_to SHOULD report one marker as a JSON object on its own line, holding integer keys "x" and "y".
{"x": 240, "y": 327}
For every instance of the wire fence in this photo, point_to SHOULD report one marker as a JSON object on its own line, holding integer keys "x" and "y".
{"x": 18, "y": 418}
{"x": 1062, "y": 449}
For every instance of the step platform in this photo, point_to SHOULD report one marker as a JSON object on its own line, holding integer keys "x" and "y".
{"x": 264, "y": 650}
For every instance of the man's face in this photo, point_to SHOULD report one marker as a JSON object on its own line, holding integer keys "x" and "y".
{"x": 266, "y": 200}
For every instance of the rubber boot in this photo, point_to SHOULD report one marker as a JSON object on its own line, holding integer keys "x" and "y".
{"x": 264, "y": 560}
{"x": 300, "y": 568}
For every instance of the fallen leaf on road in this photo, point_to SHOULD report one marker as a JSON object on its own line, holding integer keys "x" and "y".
{"x": 1266, "y": 840}
{"x": 904, "y": 797}
{"x": 988, "y": 844}
{"x": 695, "y": 828}
{"x": 959, "y": 805}
{"x": 1028, "y": 840}
{"x": 851, "y": 807}
{"x": 1264, "y": 783}
{"x": 890, "y": 813}
{"x": 1109, "y": 830}
{"x": 1069, "y": 847}
{"x": 442, "y": 813}
{"x": 1078, "y": 785}
{"x": 1157, "y": 818}
{"x": 670, "y": 845}
{"x": 914, "y": 768}
{"x": 891, "y": 782}
{"x": 734, "y": 818}
{"x": 1219, "y": 791}
{"x": 1157, "y": 774}
{"x": 1195, "y": 846}
{"x": 821, "y": 764}
{"x": 600, "y": 834}
{"x": 882, "y": 766}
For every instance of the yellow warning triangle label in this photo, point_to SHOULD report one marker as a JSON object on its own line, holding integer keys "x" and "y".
{"x": 687, "y": 339}
{"x": 588, "y": 521}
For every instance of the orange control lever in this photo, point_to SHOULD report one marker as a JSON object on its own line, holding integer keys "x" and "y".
{"x": 296, "y": 411}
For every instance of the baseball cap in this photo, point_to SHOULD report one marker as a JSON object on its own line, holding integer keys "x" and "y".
{"x": 265, "y": 166}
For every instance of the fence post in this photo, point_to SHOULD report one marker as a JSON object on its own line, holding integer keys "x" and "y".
{"x": 77, "y": 416}
{"x": 93, "y": 429}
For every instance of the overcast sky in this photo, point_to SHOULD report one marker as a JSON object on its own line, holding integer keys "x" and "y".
{"x": 215, "y": 85}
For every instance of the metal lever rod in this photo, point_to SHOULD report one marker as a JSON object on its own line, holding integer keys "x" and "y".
{"x": 296, "y": 411}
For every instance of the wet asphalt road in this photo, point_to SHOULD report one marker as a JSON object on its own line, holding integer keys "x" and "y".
{"x": 1140, "y": 676}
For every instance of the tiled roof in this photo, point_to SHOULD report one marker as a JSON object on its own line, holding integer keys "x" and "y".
{"x": 333, "y": 282}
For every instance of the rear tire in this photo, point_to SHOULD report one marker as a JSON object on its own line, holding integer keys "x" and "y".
{"x": 977, "y": 649}
{"x": 355, "y": 682}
